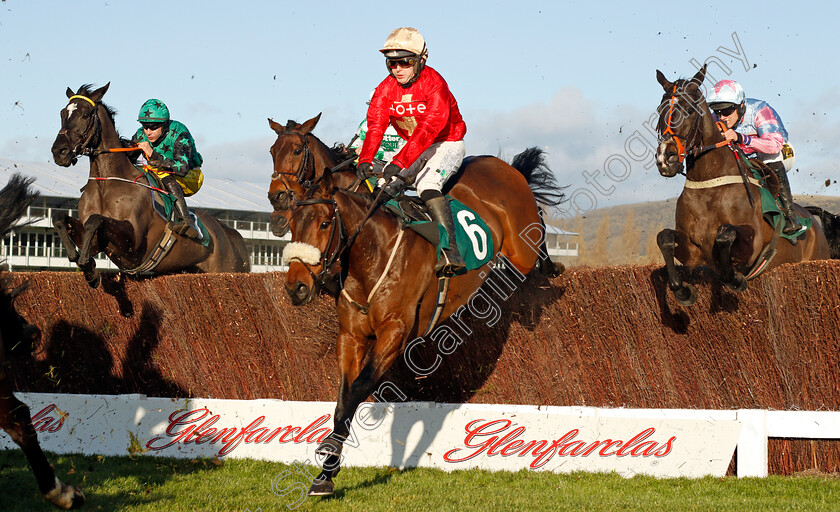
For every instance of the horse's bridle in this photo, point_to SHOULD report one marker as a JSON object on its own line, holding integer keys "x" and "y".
{"x": 92, "y": 131}
{"x": 686, "y": 149}
{"x": 307, "y": 168}
{"x": 338, "y": 230}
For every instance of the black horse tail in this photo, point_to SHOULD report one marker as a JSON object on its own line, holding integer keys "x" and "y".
{"x": 531, "y": 164}
{"x": 15, "y": 198}
{"x": 831, "y": 228}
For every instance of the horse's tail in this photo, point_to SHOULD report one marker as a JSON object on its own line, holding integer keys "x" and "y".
{"x": 15, "y": 198}
{"x": 831, "y": 228}
{"x": 531, "y": 164}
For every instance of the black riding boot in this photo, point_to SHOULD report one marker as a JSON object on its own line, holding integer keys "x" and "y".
{"x": 450, "y": 261}
{"x": 786, "y": 200}
{"x": 184, "y": 225}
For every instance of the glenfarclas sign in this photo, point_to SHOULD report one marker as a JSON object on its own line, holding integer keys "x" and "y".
{"x": 495, "y": 437}
{"x": 196, "y": 426}
{"x": 663, "y": 443}
{"x": 48, "y": 419}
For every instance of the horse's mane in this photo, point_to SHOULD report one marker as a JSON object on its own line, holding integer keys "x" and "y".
{"x": 86, "y": 90}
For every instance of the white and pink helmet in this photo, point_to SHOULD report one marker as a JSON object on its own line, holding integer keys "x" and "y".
{"x": 726, "y": 93}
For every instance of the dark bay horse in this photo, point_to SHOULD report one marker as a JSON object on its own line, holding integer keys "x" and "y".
{"x": 301, "y": 160}
{"x": 390, "y": 290}
{"x": 719, "y": 221}
{"x": 17, "y": 338}
{"x": 115, "y": 210}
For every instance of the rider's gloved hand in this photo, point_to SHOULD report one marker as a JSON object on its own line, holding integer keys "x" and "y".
{"x": 393, "y": 188}
{"x": 363, "y": 170}
{"x": 390, "y": 171}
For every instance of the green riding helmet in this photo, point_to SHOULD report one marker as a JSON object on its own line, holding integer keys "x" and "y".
{"x": 153, "y": 111}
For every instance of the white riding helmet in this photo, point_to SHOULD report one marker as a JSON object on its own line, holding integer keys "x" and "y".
{"x": 726, "y": 93}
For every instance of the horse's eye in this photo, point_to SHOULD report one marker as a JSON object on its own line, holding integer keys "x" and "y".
{"x": 326, "y": 224}
{"x": 298, "y": 151}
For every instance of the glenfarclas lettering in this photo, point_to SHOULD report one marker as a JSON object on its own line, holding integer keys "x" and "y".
{"x": 483, "y": 437}
{"x": 195, "y": 426}
{"x": 44, "y": 421}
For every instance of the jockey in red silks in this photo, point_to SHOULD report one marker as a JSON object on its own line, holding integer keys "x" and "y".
{"x": 416, "y": 101}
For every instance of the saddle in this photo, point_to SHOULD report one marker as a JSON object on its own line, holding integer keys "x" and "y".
{"x": 164, "y": 206}
{"x": 413, "y": 214}
{"x": 769, "y": 193}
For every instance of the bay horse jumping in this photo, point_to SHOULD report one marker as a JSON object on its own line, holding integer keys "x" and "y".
{"x": 390, "y": 291}
{"x": 17, "y": 337}
{"x": 116, "y": 215}
{"x": 719, "y": 220}
{"x": 301, "y": 161}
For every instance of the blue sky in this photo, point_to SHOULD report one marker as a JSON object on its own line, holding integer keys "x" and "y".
{"x": 575, "y": 78}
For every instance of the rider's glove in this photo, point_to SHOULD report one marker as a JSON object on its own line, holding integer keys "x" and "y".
{"x": 391, "y": 170}
{"x": 363, "y": 169}
{"x": 393, "y": 188}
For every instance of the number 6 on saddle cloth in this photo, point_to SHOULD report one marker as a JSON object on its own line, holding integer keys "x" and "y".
{"x": 473, "y": 237}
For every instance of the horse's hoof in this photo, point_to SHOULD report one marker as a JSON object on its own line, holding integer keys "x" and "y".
{"x": 321, "y": 488}
{"x": 738, "y": 284}
{"x": 94, "y": 280}
{"x": 687, "y": 295}
{"x": 65, "y": 496}
{"x": 556, "y": 269}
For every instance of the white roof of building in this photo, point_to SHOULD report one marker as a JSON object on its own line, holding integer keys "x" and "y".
{"x": 54, "y": 181}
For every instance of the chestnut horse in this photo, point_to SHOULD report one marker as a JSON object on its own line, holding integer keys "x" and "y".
{"x": 17, "y": 336}
{"x": 115, "y": 211}
{"x": 719, "y": 221}
{"x": 390, "y": 291}
{"x": 301, "y": 162}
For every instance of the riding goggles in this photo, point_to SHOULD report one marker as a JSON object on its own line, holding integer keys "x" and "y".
{"x": 151, "y": 126}
{"x": 406, "y": 62}
{"x": 723, "y": 112}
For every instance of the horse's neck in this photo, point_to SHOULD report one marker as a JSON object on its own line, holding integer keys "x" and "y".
{"x": 712, "y": 163}
{"x": 110, "y": 164}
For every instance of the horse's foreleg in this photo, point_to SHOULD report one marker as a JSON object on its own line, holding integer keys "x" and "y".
{"x": 63, "y": 226}
{"x": 722, "y": 255}
{"x": 90, "y": 241}
{"x": 384, "y": 354}
{"x": 683, "y": 292}
{"x": 16, "y": 421}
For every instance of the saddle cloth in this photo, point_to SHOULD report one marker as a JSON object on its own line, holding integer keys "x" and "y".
{"x": 164, "y": 205}
{"x": 475, "y": 241}
{"x": 770, "y": 207}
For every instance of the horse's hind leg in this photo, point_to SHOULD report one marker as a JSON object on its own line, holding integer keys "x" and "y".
{"x": 534, "y": 236}
{"x": 722, "y": 254}
{"x": 683, "y": 292}
{"x": 15, "y": 420}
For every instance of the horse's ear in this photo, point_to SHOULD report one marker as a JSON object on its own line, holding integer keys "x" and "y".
{"x": 70, "y": 93}
{"x": 700, "y": 76}
{"x": 96, "y": 96}
{"x": 308, "y": 126}
{"x": 663, "y": 81}
{"x": 277, "y": 127}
